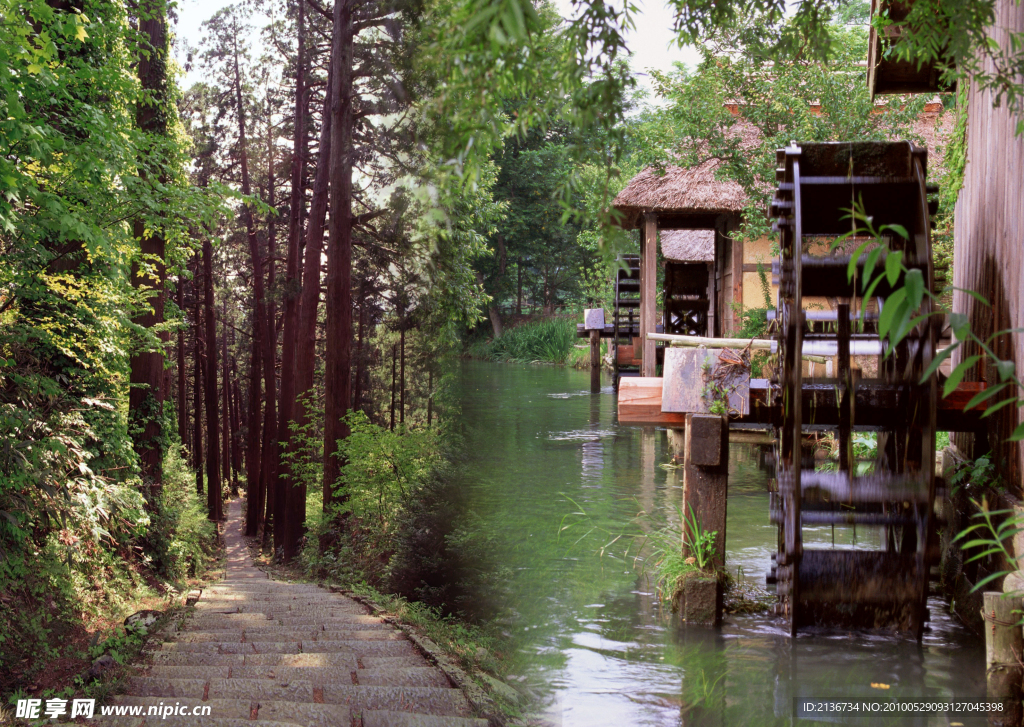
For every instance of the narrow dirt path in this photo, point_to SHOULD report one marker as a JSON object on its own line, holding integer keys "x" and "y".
{"x": 276, "y": 654}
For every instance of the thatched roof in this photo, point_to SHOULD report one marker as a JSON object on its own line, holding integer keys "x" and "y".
{"x": 680, "y": 190}
{"x": 688, "y": 246}
{"x": 697, "y": 191}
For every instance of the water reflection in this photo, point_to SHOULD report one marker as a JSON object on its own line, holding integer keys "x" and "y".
{"x": 594, "y": 643}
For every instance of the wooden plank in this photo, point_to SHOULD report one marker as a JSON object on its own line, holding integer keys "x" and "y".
{"x": 640, "y": 400}
{"x": 737, "y": 281}
{"x": 684, "y": 388}
{"x": 649, "y": 293}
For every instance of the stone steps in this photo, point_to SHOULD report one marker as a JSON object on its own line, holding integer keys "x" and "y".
{"x": 405, "y": 719}
{"x": 263, "y": 653}
{"x": 230, "y": 712}
{"x": 429, "y": 700}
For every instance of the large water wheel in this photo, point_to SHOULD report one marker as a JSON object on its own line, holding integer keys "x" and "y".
{"x": 887, "y": 587}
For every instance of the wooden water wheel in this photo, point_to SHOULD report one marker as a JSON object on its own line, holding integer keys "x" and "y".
{"x": 887, "y": 587}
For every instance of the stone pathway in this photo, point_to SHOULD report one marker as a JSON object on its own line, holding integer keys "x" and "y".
{"x": 263, "y": 653}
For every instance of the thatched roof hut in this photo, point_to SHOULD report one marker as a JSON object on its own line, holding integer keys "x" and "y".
{"x": 694, "y": 192}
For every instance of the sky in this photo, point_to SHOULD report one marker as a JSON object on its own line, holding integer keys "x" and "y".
{"x": 649, "y": 41}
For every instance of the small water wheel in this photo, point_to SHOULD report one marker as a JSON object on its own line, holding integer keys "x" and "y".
{"x": 887, "y": 587}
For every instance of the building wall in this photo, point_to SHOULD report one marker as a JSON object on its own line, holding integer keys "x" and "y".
{"x": 989, "y": 235}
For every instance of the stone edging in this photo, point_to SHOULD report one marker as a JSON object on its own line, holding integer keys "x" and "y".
{"x": 479, "y": 699}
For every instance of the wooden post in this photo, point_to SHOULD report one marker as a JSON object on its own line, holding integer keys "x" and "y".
{"x": 595, "y": 361}
{"x": 649, "y": 293}
{"x": 705, "y": 487}
{"x": 1003, "y": 646}
{"x": 737, "y": 280}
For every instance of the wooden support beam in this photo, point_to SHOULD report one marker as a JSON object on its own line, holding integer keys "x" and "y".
{"x": 1003, "y": 646}
{"x": 649, "y": 293}
{"x": 705, "y": 490}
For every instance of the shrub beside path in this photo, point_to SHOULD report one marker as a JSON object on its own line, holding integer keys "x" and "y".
{"x": 264, "y": 653}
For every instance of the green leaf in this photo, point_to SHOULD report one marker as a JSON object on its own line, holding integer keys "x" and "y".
{"x": 996, "y": 407}
{"x": 1005, "y": 369}
{"x": 986, "y": 393}
{"x": 914, "y": 282}
{"x": 869, "y": 265}
{"x": 893, "y": 265}
{"x": 898, "y": 229}
{"x": 960, "y": 324}
{"x": 937, "y": 361}
{"x": 889, "y": 311}
{"x": 957, "y": 375}
{"x": 851, "y": 267}
{"x": 1018, "y": 433}
{"x": 974, "y": 294}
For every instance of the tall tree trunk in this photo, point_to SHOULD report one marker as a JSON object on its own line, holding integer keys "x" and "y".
{"x": 182, "y": 393}
{"x": 146, "y": 393}
{"x": 237, "y": 453}
{"x": 394, "y": 366}
{"x": 263, "y": 463}
{"x": 255, "y": 497}
{"x": 225, "y": 395}
{"x": 292, "y": 490}
{"x": 213, "y": 493}
{"x": 197, "y": 390}
{"x": 519, "y": 287}
{"x": 338, "y": 376}
{"x": 401, "y": 400}
{"x": 357, "y": 396}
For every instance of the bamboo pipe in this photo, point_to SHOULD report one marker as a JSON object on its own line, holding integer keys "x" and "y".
{"x": 756, "y": 344}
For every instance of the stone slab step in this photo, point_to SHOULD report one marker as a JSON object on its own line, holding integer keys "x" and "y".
{"x": 219, "y": 708}
{"x": 318, "y": 611}
{"x": 277, "y": 633}
{"x": 339, "y": 659}
{"x": 431, "y": 700}
{"x": 394, "y": 662}
{"x": 337, "y": 621}
{"x": 189, "y": 722}
{"x": 380, "y": 718}
{"x": 295, "y": 690}
{"x": 309, "y": 715}
{"x": 360, "y": 646}
{"x": 241, "y": 647}
{"x": 427, "y": 700}
{"x": 344, "y": 649}
{"x": 317, "y": 674}
{"x": 185, "y": 658}
{"x": 419, "y": 676}
{"x": 237, "y": 713}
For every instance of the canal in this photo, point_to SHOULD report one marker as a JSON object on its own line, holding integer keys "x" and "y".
{"x": 555, "y": 480}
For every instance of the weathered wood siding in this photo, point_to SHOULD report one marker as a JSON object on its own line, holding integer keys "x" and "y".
{"x": 989, "y": 233}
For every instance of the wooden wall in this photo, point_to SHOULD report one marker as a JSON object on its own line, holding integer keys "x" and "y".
{"x": 989, "y": 233}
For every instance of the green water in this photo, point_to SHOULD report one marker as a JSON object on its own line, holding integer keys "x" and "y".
{"x": 593, "y": 643}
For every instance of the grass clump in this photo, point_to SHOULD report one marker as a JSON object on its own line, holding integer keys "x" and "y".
{"x": 548, "y": 340}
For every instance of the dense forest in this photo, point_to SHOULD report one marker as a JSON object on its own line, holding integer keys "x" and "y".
{"x": 259, "y": 284}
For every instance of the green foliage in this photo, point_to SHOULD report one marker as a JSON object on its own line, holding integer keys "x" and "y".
{"x": 699, "y": 543}
{"x": 383, "y": 469}
{"x": 993, "y": 534}
{"x": 548, "y": 340}
{"x": 181, "y": 538}
{"x": 957, "y": 38}
{"x": 780, "y": 99}
{"x": 977, "y": 476}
